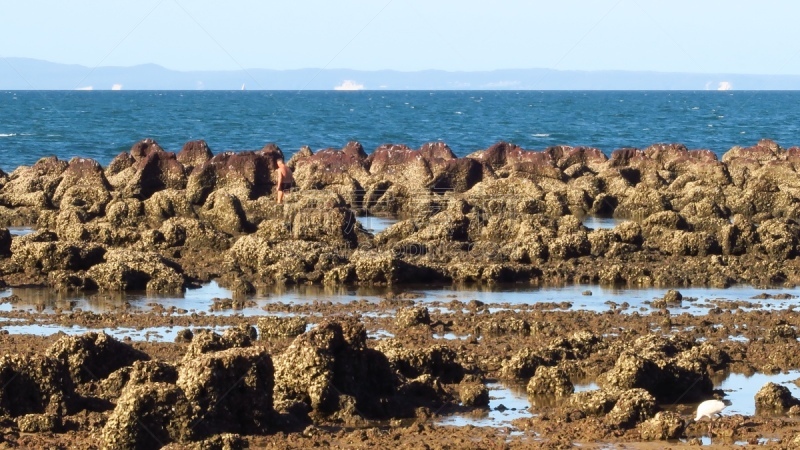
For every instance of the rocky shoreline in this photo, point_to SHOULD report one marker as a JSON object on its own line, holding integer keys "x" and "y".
{"x": 162, "y": 221}
{"x": 310, "y": 375}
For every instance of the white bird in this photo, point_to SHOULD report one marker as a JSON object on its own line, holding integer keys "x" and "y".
{"x": 709, "y": 408}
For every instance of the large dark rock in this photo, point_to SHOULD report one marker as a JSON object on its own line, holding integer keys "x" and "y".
{"x": 438, "y": 361}
{"x": 193, "y": 154}
{"x": 148, "y": 416}
{"x": 33, "y": 186}
{"x": 5, "y": 242}
{"x": 145, "y": 148}
{"x": 34, "y": 385}
{"x": 665, "y": 425}
{"x": 551, "y": 382}
{"x": 774, "y": 398}
{"x": 343, "y": 171}
{"x": 83, "y": 184}
{"x": 231, "y": 390}
{"x": 330, "y": 367}
{"x": 263, "y": 261}
{"x": 415, "y": 169}
{"x": 457, "y": 175}
{"x": 93, "y": 356}
{"x": 130, "y": 270}
{"x": 154, "y": 172}
{"x": 246, "y": 175}
{"x": 43, "y": 252}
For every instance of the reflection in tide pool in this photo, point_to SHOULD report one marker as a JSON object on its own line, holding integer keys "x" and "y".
{"x": 150, "y": 334}
{"x": 506, "y": 403}
{"x": 375, "y": 224}
{"x": 741, "y": 389}
{"x": 20, "y": 231}
{"x": 696, "y": 301}
{"x": 602, "y": 298}
{"x": 601, "y": 223}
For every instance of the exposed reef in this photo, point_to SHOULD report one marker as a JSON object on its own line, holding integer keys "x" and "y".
{"x": 163, "y": 221}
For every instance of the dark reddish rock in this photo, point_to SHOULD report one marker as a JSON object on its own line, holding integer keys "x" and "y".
{"x": 580, "y": 159}
{"x": 342, "y": 171}
{"x": 395, "y": 160}
{"x": 495, "y": 156}
{"x": 193, "y": 154}
{"x": 145, "y": 148}
{"x": 505, "y": 159}
{"x": 458, "y": 175}
{"x": 793, "y": 156}
{"x": 83, "y": 171}
{"x": 765, "y": 150}
{"x": 49, "y": 167}
{"x": 533, "y": 164}
{"x": 154, "y": 172}
{"x": 414, "y": 169}
{"x": 273, "y": 153}
{"x": 625, "y": 156}
{"x": 246, "y": 174}
{"x": 119, "y": 164}
{"x": 433, "y": 151}
{"x": 354, "y": 149}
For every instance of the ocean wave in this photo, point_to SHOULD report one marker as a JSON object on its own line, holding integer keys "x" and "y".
{"x": 7, "y": 134}
{"x": 541, "y": 135}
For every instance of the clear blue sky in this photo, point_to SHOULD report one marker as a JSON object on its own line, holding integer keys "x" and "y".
{"x": 700, "y": 36}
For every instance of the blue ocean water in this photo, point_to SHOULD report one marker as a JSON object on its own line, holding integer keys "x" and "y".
{"x": 101, "y": 124}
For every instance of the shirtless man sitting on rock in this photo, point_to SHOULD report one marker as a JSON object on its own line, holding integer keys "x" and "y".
{"x": 285, "y": 179}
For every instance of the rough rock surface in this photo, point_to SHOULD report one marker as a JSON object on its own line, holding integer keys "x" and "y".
{"x": 550, "y": 381}
{"x": 330, "y": 365}
{"x": 93, "y": 356}
{"x": 149, "y": 416}
{"x": 774, "y": 398}
{"x": 219, "y": 384}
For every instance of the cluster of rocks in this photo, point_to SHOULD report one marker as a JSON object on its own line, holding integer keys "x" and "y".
{"x": 229, "y": 384}
{"x": 159, "y": 221}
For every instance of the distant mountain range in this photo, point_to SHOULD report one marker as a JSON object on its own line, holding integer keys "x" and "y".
{"x": 32, "y": 74}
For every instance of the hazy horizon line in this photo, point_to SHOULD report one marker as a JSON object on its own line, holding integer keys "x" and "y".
{"x": 401, "y": 70}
